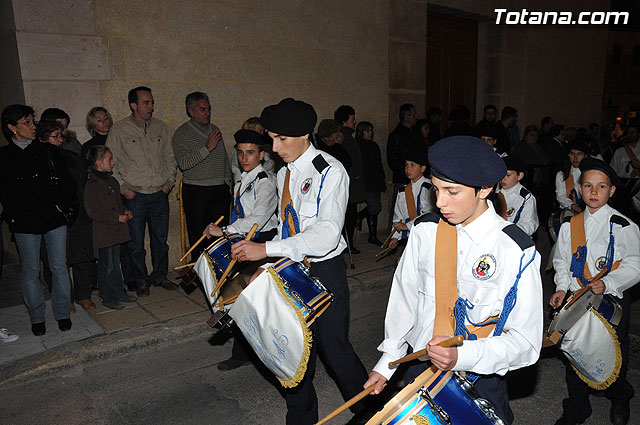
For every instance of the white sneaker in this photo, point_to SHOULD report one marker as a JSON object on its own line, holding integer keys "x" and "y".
{"x": 7, "y": 336}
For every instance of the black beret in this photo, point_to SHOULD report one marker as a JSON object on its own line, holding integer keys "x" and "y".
{"x": 249, "y": 136}
{"x": 487, "y": 130}
{"x": 514, "y": 164}
{"x": 578, "y": 145}
{"x": 417, "y": 155}
{"x": 590, "y": 163}
{"x": 292, "y": 118}
{"x": 466, "y": 160}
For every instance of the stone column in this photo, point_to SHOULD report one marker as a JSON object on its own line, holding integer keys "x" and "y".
{"x": 55, "y": 59}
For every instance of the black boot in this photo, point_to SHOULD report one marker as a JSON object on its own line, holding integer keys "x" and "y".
{"x": 372, "y": 223}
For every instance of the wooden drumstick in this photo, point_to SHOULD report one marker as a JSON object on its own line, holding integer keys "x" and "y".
{"x": 199, "y": 241}
{"x": 388, "y": 238}
{"x": 387, "y": 249}
{"x": 348, "y": 404}
{"x": 233, "y": 262}
{"x": 446, "y": 343}
{"x": 580, "y": 292}
{"x": 184, "y": 266}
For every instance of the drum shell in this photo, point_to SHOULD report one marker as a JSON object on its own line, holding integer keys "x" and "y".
{"x": 220, "y": 252}
{"x": 307, "y": 293}
{"x": 453, "y": 393}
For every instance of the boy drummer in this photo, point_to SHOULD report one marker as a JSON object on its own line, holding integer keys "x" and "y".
{"x": 254, "y": 201}
{"x": 604, "y": 228}
{"x": 313, "y": 189}
{"x": 488, "y": 254}
{"x": 414, "y": 199}
{"x": 519, "y": 203}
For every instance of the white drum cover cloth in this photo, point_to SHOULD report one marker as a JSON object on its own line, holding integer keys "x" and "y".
{"x": 204, "y": 269}
{"x": 592, "y": 347}
{"x": 274, "y": 327}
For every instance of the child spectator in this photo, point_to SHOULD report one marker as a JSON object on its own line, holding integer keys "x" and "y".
{"x": 104, "y": 207}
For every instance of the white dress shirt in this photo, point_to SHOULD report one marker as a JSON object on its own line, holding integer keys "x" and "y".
{"x": 561, "y": 189}
{"x": 515, "y": 197}
{"x": 258, "y": 198}
{"x": 626, "y": 248}
{"x": 621, "y": 162}
{"x": 411, "y": 309}
{"x": 321, "y": 217}
{"x": 427, "y": 203}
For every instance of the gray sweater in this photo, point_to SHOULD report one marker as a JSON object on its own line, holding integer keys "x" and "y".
{"x": 199, "y": 166}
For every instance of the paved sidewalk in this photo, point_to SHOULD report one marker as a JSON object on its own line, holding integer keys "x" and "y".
{"x": 163, "y": 317}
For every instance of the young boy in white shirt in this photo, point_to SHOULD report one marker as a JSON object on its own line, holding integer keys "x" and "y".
{"x": 518, "y": 204}
{"x": 413, "y": 200}
{"x": 488, "y": 260}
{"x": 612, "y": 244}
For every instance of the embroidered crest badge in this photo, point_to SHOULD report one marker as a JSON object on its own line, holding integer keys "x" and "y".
{"x": 306, "y": 185}
{"x": 484, "y": 267}
{"x": 510, "y": 211}
{"x": 249, "y": 188}
{"x": 600, "y": 263}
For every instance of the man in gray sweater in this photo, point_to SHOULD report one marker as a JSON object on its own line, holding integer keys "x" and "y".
{"x": 202, "y": 157}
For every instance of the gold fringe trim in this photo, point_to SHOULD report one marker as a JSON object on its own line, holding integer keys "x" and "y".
{"x": 306, "y": 334}
{"x": 618, "y": 362}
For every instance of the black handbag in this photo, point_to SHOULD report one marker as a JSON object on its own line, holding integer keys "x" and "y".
{"x": 70, "y": 213}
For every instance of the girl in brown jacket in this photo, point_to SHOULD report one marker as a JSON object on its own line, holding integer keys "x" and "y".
{"x": 104, "y": 207}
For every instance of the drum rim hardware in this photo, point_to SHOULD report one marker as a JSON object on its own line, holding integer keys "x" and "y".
{"x": 442, "y": 416}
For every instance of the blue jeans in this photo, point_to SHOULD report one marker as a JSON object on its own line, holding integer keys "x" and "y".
{"x": 29, "y": 249}
{"x": 153, "y": 210}
{"x": 110, "y": 282}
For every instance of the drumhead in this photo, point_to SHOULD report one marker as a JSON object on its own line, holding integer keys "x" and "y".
{"x": 565, "y": 318}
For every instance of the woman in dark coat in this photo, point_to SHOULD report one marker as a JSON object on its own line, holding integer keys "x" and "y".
{"x": 36, "y": 190}
{"x": 79, "y": 240}
{"x": 373, "y": 174}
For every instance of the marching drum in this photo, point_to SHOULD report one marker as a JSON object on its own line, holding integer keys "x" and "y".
{"x": 556, "y": 219}
{"x": 274, "y": 314}
{"x": 437, "y": 397}
{"x": 211, "y": 266}
{"x": 590, "y": 342}
{"x": 565, "y": 318}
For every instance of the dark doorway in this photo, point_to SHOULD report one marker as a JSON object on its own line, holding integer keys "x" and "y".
{"x": 452, "y": 55}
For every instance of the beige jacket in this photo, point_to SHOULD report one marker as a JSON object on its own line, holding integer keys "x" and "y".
{"x": 143, "y": 155}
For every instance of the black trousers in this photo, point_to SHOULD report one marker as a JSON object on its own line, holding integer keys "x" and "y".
{"x": 203, "y": 205}
{"x": 577, "y": 405}
{"x": 331, "y": 340}
{"x": 489, "y": 387}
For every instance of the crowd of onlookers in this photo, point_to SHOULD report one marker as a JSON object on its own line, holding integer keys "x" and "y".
{"x": 85, "y": 207}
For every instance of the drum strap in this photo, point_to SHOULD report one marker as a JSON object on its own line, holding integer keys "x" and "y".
{"x": 288, "y": 215}
{"x": 501, "y": 205}
{"x": 570, "y": 187}
{"x": 411, "y": 203}
{"x": 632, "y": 157}
{"x": 447, "y": 287}
{"x": 579, "y": 267}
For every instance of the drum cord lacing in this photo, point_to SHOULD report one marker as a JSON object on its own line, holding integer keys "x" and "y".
{"x": 461, "y": 315}
{"x": 320, "y": 190}
{"x": 517, "y": 217}
{"x": 579, "y": 258}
